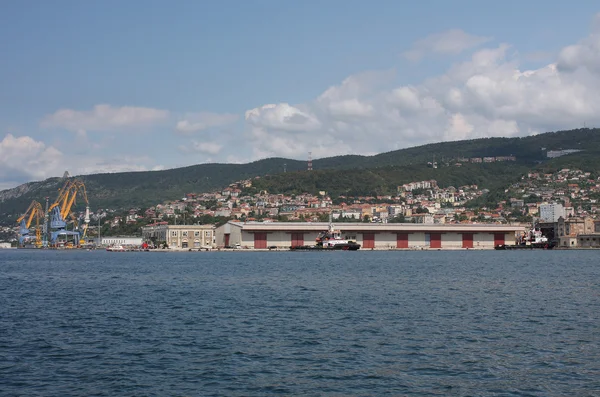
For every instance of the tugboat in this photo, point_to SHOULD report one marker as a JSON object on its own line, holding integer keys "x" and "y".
{"x": 327, "y": 240}
{"x": 534, "y": 239}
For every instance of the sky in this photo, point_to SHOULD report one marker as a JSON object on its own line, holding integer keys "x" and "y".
{"x": 108, "y": 86}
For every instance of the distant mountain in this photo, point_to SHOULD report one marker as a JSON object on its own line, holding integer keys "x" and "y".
{"x": 341, "y": 174}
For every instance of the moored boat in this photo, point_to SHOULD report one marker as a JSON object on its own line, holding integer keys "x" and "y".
{"x": 534, "y": 239}
{"x": 329, "y": 240}
{"x": 115, "y": 248}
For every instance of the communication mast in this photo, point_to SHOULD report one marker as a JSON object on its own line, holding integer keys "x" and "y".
{"x": 310, "y": 161}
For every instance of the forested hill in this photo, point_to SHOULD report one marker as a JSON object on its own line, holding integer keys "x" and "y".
{"x": 351, "y": 173}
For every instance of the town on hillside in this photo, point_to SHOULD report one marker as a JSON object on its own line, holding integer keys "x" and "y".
{"x": 563, "y": 203}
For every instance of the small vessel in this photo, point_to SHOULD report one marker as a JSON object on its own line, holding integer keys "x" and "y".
{"x": 115, "y": 248}
{"x": 330, "y": 239}
{"x": 534, "y": 239}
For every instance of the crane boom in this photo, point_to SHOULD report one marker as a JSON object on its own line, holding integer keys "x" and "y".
{"x": 60, "y": 210}
{"x": 75, "y": 188}
{"x": 34, "y": 211}
{"x": 30, "y": 213}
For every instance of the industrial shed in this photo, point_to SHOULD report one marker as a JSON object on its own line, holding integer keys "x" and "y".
{"x": 264, "y": 235}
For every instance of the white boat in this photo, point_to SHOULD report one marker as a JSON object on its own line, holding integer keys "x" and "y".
{"x": 330, "y": 240}
{"x": 115, "y": 248}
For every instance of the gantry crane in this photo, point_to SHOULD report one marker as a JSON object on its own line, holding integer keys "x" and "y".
{"x": 60, "y": 210}
{"x": 34, "y": 211}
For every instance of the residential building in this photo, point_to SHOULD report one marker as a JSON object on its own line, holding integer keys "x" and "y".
{"x": 551, "y": 212}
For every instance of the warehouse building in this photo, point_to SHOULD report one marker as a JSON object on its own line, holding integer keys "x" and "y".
{"x": 259, "y": 235}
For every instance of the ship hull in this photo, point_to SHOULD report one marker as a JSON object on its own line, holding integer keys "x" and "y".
{"x": 540, "y": 246}
{"x": 337, "y": 247}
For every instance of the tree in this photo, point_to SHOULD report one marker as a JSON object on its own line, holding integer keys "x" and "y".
{"x": 398, "y": 219}
{"x": 460, "y": 217}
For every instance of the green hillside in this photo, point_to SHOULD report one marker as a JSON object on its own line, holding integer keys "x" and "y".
{"x": 350, "y": 174}
{"x": 385, "y": 180}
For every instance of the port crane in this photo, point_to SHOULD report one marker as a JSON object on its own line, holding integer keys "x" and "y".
{"x": 60, "y": 211}
{"x": 34, "y": 212}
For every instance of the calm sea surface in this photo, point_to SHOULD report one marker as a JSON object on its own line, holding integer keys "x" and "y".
{"x": 468, "y": 323}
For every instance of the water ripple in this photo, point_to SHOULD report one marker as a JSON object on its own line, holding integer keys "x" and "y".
{"x": 259, "y": 324}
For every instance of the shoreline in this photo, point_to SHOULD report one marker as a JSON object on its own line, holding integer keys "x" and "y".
{"x": 287, "y": 249}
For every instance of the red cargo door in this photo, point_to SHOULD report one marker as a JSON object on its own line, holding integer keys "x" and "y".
{"x": 467, "y": 240}
{"x": 368, "y": 240}
{"x": 498, "y": 239}
{"x": 402, "y": 240}
{"x": 260, "y": 240}
{"x": 435, "y": 240}
{"x": 297, "y": 239}
{"x": 227, "y": 239}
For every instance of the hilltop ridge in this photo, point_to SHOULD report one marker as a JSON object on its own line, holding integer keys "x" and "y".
{"x": 363, "y": 174}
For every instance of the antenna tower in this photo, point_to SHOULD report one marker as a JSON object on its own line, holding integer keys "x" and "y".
{"x": 310, "y": 161}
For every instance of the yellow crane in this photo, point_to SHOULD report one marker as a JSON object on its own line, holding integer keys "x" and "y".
{"x": 67, "y": 197}
{"x": 63, "y": 197}
{"x": 34, "y": 211}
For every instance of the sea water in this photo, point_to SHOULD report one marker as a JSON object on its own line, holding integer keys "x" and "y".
{"x": 437, "y": 323}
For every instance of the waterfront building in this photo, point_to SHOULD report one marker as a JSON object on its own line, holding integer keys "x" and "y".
{"x": 180, "y": 236}
{"x": 577, "y": 231}
{"x": 591, "y": 240}
{"x": 279, "y": 235}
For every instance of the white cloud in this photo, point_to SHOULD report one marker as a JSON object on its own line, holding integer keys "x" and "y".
{"x": 23, "y": 159}
{"x": 486, "y": 95}
{"x": 583, "y": 55}
{"x": 451, "y": 42}
{"x": 204, "y": 120}
{"x": 282, "y": 117}
{"x": 104, "y": 118}
{"x": 201, "y": 147}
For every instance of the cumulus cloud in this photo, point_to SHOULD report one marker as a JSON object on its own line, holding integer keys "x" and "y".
{"x": 584, "y": 54}
{"x": 282, "y": 117}
{"x": 195, "y": 122}
{"x": 450, "y": 42}
{"x": 488, "y": 94}
{"x": 23, "y": 159}
{"x": 283, "y": 129}
{"x": 201, "y": 147}
{"x": 104, "y": 118}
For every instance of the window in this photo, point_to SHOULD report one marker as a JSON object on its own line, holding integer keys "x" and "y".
{"x": 184, "y": 233}
{"x": 207, "y": 233}
{"x": 173, "y": 233}
{"x": 196, "y": 234}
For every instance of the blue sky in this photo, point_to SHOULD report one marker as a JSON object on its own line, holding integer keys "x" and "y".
{"x": 90, "y": 86}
